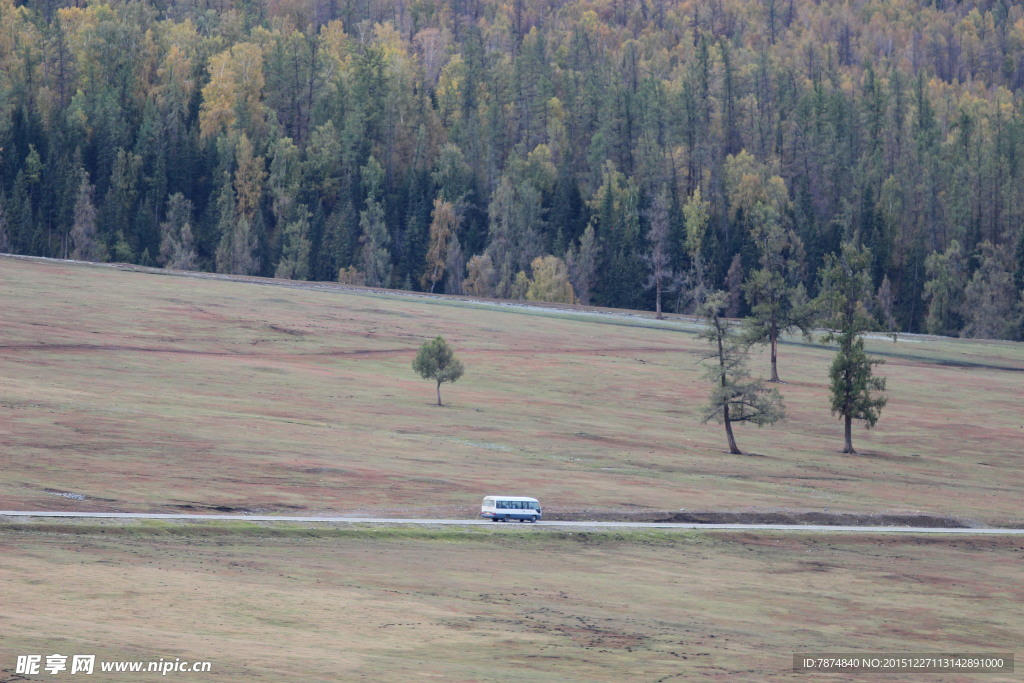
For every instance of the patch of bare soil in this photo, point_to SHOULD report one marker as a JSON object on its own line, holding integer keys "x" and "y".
{"x": 771, "y": 516}
{"x": 809, "y": 517}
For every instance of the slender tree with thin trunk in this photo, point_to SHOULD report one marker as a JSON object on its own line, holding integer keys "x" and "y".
{"x": 85, "y": 239}
{"x": 777, "y": 298}
{"x": 436, "y": 360}
{"x": 734, "y": 286}
{"x": 375, "y": 239}
{"x": 443, "y": 231}
{"x": 845, "y": 297}
{"x": 582, "y": 262}
{"x": 735, "y": 397}
{"x": 658, "y": 258}
{"x": 776, "y": 309}
{"x": 4, "y": 240}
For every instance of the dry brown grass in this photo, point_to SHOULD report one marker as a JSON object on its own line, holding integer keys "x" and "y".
{"x": 149, "y": 393}
{"x": 500, "y": 603}
{"x": 130, "y": 391}
{"x": 152, "y": 393}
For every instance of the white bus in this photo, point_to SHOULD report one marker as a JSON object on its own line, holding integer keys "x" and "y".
{"x": 505, "y": 508}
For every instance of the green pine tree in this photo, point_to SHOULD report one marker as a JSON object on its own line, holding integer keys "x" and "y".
{"x": 735, "y": 397}
{"x": 845, "y": 296}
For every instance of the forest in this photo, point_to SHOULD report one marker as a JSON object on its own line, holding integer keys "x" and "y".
{"x": 621, "y": 153}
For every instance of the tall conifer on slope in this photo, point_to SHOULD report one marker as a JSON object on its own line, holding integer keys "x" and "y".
{"x": 375, "y": 238}
{"x": 5, "y": 243}
{"x": 778, "y": 301}
{"x": 844, "y": 299}
{"x": 177, "y": 243}
{"x": 86, "y": 244}
{"x": 992, "y": 304}
{"x": 735, "y": 397}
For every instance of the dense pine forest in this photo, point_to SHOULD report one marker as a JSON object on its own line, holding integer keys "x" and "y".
{"x": 624, "y": 153}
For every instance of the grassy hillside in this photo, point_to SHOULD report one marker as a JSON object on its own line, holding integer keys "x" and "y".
{"x": 139, "y": 392}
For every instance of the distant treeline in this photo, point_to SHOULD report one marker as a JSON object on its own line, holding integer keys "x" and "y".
{"x": 632, "y": 149}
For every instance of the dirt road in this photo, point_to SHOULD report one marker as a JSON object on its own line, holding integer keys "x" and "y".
{"x": 463, "y": 522}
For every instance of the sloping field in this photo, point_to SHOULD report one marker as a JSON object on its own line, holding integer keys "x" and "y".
{"x": 134, "y": 391}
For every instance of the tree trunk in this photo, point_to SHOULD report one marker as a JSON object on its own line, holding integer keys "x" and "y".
{"x": 775, "y": 359}
{"x": 433, "y": 280}
{"x": 728, "y": 432}
{"x": 438, "y": 393}
{"x": 849, "y": 435}
{"x": 657, "y": 302}
{"x": 725, "y": 409}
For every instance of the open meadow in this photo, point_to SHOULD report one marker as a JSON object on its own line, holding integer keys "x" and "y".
{"x": 128, "y": 391}
{"x": 499, "y": 603}
{"x": 132, "y": 391}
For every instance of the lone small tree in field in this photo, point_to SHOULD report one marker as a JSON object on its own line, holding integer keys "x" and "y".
{"x": 436, "y": 360}
{"x": 845, "y": 291}
{"x": 735, "y": 397}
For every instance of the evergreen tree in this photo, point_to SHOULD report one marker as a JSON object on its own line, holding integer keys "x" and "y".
{"x": 455, "y": 268}
{"x": 5, "y": 243}
{"x": 236, "y": 249}
{"x": 944, "y": 289}
{"x": 294, "y": 262}
{"x": 658, "y": 258}
{"x": 374, "y": 239}
{"x": 518, "y": 115}
{"x": 177, "y": 245}
{"x": 778, "y": 300}
{"x": 582, "y": 262}
{"x": 616, "y": 221}
{"x": 86, "y": 244}
{"x": 236, "y": 253}
{"x": 992, "y": 306}
{"x": 845, "y": 299}
{"x": 516, "y": 215}
{"x": 735, "y": 397}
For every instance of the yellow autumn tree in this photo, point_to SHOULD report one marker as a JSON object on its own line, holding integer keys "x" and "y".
{"x": 550, "y": 281}
{"x": 442, "y": 231}
{"x": 250, "y": 178}
{"x": 481, "y": 276}
{"x": 234, "y": 96}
